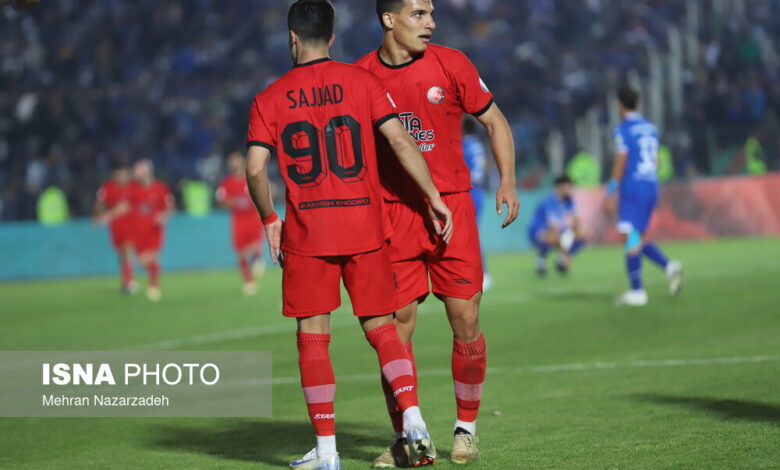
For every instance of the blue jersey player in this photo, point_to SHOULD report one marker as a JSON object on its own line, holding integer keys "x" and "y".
{"x": 554, "y": 225}
{"x": 476, "y": 159}
{"x": 635, "y": 185}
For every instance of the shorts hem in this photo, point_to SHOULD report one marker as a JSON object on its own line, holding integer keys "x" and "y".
{"x": 310, "y": 313}
{"x": 409, "y": 299}
{"x": 456, "y": 295}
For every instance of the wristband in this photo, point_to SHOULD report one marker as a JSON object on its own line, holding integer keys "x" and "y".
{"x": 612, "y": 187}
{"x": 270, "y": 219}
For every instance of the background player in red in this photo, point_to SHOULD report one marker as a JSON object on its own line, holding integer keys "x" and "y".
{"x": 433, "y": 86}
{"x": 320, "y": 119}
{"x": 151, "y": 204}
{"x": 112, "y": 207}
{"x": 246, "y": 227}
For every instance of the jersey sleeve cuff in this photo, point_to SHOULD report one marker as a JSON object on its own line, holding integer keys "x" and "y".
{"x": 384, "y": 119}
{"x": 483, "y": 110}
{"x": 258, "y": 143}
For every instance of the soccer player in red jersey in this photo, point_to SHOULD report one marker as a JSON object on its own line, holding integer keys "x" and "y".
{"x": 151, "y": 204}
{"x": 320, "y": 119}
{"x": 432, "y": 87}
{"x": 112, "y": 207}
{"x": 247, "y": 229}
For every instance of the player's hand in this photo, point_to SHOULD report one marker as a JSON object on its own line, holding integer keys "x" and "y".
{"x": 273, "y": 233}
{"x": 609, "y": 206}
{"x": 441, "y": 216}
{"x": 506, "y": 194}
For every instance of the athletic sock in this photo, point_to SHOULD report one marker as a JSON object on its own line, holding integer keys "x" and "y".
{"x": 153, "y": 268}
{"x": 469, "y": 361}
{"x": 326, "y": 445}
{"x": 634, "y": 270}
{"x": 576, "y": 246}
{"x": 318, "y": 382}
{"x": 127, "y": 272}
{"x": 655, "y": 254}
{"x": 246, "y": 268}
{"x": 395, "y": 364}
{"x": 469, "y": 426}
{"x": 542, "y": 250}
{"x": 396, "y": 417}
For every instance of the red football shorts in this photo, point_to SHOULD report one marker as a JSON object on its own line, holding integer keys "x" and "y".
{"x": 148, "y": 238}
{"x": 246, "y": 233}
{"x": 455, "y": 269}
{"x": 121, "y": 235}
{"x": 311, "y": 285}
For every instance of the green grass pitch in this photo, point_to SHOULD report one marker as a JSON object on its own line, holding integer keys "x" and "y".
{"x": 687, "y": 382}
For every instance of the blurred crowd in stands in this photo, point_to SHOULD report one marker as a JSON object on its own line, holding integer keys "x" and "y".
{"x": 85, "y": 84}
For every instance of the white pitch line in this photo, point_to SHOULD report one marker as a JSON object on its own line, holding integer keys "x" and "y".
{"x": 431, "y": 306}
{"x": 336, "y": 322}
{"x": 710, "y": 361}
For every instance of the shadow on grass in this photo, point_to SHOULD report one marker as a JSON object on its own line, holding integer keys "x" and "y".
{"x": 270, "y": 442}
{"x": 724, "y": 409}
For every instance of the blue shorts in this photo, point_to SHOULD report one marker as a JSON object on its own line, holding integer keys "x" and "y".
{"x": 535, "y": 234}
{"x": 635, "y": 211}
{"x": 478, "y": 196}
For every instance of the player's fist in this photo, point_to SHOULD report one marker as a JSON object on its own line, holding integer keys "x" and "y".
{"x": 441, "y": 217}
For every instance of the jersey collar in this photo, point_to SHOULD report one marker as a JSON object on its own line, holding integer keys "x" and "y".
{"x": 399, "y": 66}
{"x": 633, "y": 116}
{"x": 312, "y": 62}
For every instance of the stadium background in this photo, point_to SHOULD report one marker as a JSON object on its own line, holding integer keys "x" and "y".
{"x": 87, "y": 84}
{"x": 689, "y": 382}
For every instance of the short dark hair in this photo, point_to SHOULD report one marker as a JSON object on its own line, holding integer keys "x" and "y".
{"x": 383, "y": 6}
{"x": 562, "y": 179}
{"x": 628, "y": 97}
{"x": 312, "y": 20}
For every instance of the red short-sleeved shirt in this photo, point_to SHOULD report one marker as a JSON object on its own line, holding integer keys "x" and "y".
{"x": 148, "y": 202}
{"x": 431, "y": 93}
{"x": 111, "y": 194}
{"x": 320, "y": 119}
{"x": 233, "y": 190}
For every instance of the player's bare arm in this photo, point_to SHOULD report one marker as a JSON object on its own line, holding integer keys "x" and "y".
{"x": 503, "y": 146}
{"x": 414, "y": 163}
{"x": 617, "y": 173}
{"x": 260, "y": 191}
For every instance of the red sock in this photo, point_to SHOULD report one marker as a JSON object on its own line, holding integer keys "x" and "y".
{"x": 318, "y": 381}
{"x": 396, "y": 417}
{"x": 469, "y": 361}
{"x": 396, "y": 366}
{"x": 245, "y": 268}
{"x": 153, "y": 268}
{"x": 127, "y": 272}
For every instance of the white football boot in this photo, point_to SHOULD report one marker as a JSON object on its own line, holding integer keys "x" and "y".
{"x": 633, "y": 298}
{"x": 311, "y": 461}
{"x": 674, "y": 273}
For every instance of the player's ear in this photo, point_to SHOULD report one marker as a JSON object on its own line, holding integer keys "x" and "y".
{"x": 387, "y": 20}
{"x": 332, "y": 40}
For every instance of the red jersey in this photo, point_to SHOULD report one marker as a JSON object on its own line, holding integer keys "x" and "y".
{"x": 113, "y": 193}
{"x": 320, "y": 119}
{"x": 148, "y": 202}
{"x": 431, "y": 92}
{"x": 234, "y": 192}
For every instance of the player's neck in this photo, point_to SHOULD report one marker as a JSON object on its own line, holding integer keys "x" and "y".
{"x": 311, "y": 54}
{"x": 393, "y": 54}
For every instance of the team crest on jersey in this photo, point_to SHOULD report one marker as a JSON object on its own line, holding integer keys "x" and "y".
{"x": 436, "y": 94}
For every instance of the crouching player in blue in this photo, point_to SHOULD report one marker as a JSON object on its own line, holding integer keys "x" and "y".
{"x": 634, "y": 184}
{"x": 555, "y": 225}
{"x": 476, "y": 160}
